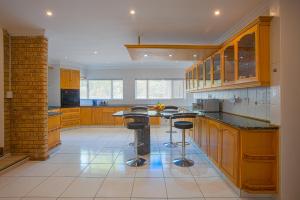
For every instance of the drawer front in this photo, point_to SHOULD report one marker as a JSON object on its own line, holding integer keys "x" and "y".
{"x": 53, "y": 122}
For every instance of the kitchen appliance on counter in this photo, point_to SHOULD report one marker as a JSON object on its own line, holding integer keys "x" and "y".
{"x": 207, "y": 105}
{"x": 70, "y": 98}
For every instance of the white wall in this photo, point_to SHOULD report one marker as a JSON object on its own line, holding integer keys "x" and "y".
{"x": 129, "y": 76}
{"x": 1, "y": 89}
{"x": 290, "y": 98}
{"x": 54, "y": 85}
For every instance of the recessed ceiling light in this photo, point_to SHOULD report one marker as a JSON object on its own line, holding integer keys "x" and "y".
{"x": 217, "y": 12}
{"x": 195, "y": 55}
{"x": 132, "y": 12}
{"x": 170, "y": 55}
{"x": 49, "y": 13}
{"x": 95, "y": 52}
{"x": 146, "y": 55}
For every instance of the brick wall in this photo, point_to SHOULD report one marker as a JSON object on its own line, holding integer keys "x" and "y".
{"x": 26, "y": 113}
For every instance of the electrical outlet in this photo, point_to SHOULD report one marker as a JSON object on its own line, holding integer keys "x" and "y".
{"x": 9, "y": 95}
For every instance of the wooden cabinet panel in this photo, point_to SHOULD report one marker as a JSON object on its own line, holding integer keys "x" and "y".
{"x": 155, "y": 121}
{"x": 64, "y": 79}
{"x": 107, "y": 118}
{"x": 70, "y": 117}
{"x": 97, "y": 116}
{"x": 69, "y": 79}
{"x": 230, "y": 152}
{"x": 204, "y": 135}
{"x": 86, "y": 116}
{"x": 54, "y": 123}
{"x": 213, "y": 138}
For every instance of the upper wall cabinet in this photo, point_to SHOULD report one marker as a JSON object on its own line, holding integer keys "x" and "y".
{"x": 69, "y": 79}
{"x": 242, "y": 61}
{"x": 216, "y": 69}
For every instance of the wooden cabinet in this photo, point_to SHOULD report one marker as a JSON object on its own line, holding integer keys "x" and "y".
{"x": 207, "y": 73}
{"x": 204, "y": 135}
{"x": 101, "y": 116}
{"x": 53, "y": 131}
{"x": 107, "y": 118}
{"x": 229, "y": 149}
{"x": 200, "y": 71}
{"x": 70, "y": 117}
{"x": 86, "y": 115}
{"x": 214, "y": 134}
{"x": 69, "y": 79}
{"x": 216, "y": 68}
{"x": 259, "y": 161}
{"x": 242, "y": 61}
{"x": 249, "y": 158}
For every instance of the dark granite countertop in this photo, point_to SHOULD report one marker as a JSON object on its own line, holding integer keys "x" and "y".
{"x": 235, "y": 120}
{"x": 53, "y": 113}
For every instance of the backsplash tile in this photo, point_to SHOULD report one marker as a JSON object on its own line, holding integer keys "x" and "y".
{"x": 253, "y": 102}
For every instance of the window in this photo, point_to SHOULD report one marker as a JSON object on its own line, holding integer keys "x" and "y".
{"x": 159, "y": 89}
{"x": 101, "y": 89}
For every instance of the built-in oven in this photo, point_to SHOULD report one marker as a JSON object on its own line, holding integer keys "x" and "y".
{"x": 70, "y": 98}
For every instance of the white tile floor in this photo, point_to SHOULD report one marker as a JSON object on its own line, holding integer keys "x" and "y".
{"x": 90, "y": 164}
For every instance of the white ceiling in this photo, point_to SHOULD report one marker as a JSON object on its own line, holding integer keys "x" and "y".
{"x": 80, "y": 27}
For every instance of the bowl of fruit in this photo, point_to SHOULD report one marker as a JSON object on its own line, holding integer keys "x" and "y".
{"x": 159, "y": 107}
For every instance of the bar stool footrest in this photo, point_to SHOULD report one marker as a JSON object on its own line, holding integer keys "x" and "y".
{"x": 183, "y": 162}
{"x": 136, "y": 162}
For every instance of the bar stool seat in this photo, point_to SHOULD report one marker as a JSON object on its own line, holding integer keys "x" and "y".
{"x": 183, "y": 125}
{"x": 135, "y": 125}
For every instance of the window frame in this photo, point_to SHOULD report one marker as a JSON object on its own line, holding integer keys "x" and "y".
{"x": 172, "y": 87}
{"x": 111, "y": 88}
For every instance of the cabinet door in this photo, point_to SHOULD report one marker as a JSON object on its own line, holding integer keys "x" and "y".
{"x": 208, "y": 73}
{"x": 213, "y": 138}
{"x": 247, "y": 55}
{"x": 86, "y": 116}
{"x": 97, "y": 116}
{"x": 155, "y": 121}
{"x": 195, "y": 79}
{"x": 65, "y": 79}
{"x": 75, "y": 79}
{"x": 204, "y": 135}
{"x": 200, "y": 72}
{"x": 229, "y": 152}
{"x": 197, "y": 130}
{"x": 229, "y": 64}
{"x": 107, "y": 118}
{"x": 217, "y": 70}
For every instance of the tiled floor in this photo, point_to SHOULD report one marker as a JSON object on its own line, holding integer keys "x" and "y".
{"x": 90, "y": 164}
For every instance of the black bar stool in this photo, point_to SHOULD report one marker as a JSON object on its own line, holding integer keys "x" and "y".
{"x": 168, "y": 112}
{"x": 139, "y": 122}
{"x": 183, "y": 125}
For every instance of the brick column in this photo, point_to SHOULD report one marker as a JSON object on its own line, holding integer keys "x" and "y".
{"x": 28, "y": 108}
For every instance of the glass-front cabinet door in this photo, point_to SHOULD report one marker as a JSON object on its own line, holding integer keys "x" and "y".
{"x": 247, "y": 56}
{"x": 191, "y": 79}
{"x": 195, "y": 79}
{"x": 217, "y": 70}
{"x": 187, "y": 81}
{"x": 229, "y": 64}
{"x": 200, "y": 72}
{"x": 207, "y": 70}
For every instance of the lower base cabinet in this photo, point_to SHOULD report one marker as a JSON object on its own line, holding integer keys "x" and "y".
{"x": 103, "y": 116}
{"x": 70, "y": 117}
{"x": 249, "y": 158}
{"x": 53, "y": 131}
